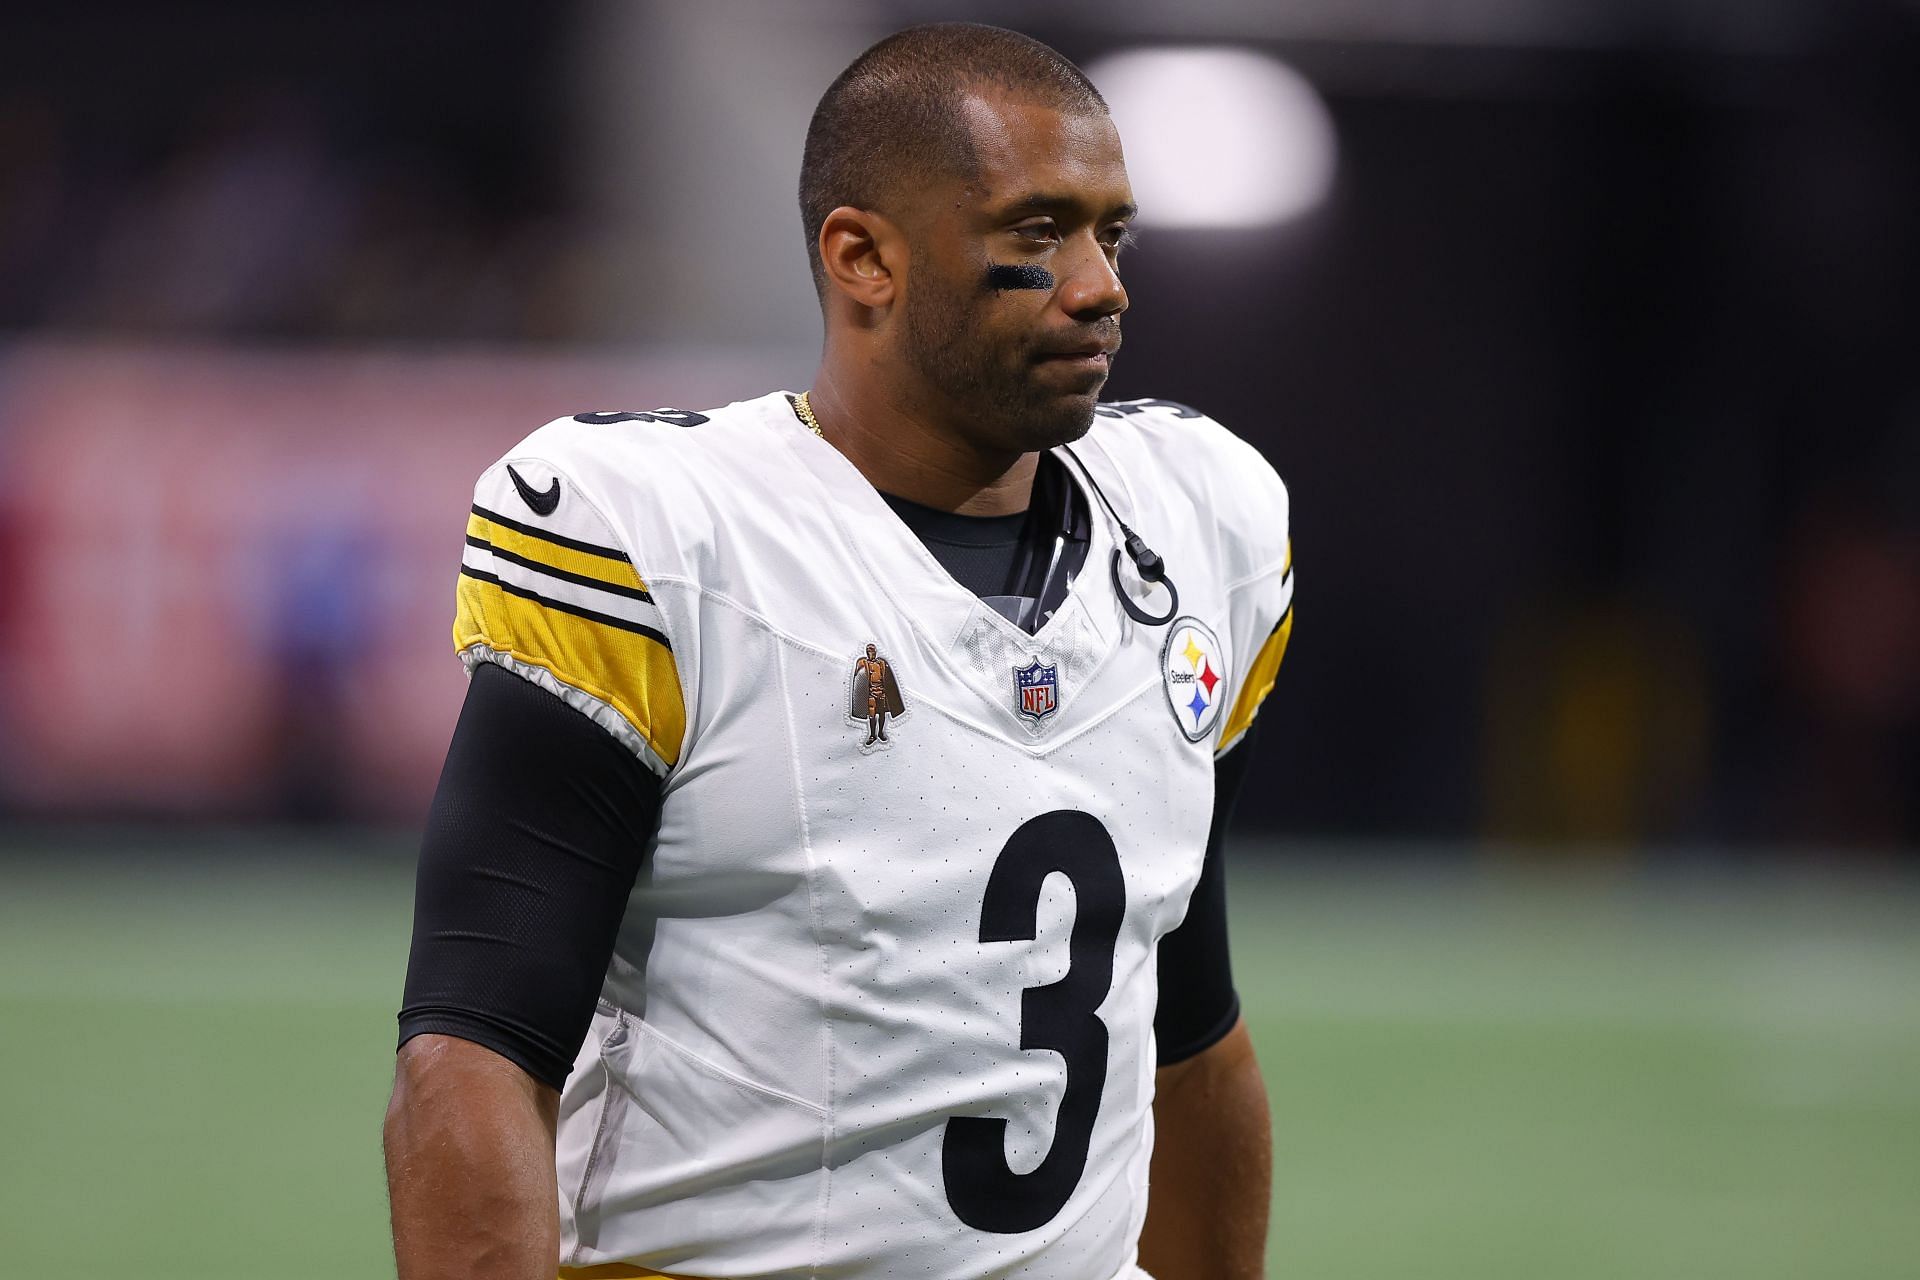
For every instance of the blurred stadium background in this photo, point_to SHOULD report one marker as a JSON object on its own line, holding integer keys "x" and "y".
{"x": 1577, "y": 906}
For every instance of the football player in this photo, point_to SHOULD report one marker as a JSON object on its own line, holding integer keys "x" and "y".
{"x": 825, "y": 874}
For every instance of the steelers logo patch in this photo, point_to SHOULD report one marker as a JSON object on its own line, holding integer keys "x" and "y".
{"x": 1194, "y": 667}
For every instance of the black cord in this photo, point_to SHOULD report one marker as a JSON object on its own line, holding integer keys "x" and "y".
{"x": 1149, "y": 565}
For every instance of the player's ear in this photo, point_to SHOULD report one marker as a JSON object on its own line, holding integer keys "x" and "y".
{"x": 861, "y": 252}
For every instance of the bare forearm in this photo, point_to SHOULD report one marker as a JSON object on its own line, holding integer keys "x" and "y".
{"x": 1212, "y": 1166}
{"x": 469, "y": 1140}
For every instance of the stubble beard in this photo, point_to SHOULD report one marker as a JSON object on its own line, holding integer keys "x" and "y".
{"x": 997, "y": 395}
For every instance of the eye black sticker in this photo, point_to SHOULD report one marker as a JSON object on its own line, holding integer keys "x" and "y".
{"x": 1019, "y": 276}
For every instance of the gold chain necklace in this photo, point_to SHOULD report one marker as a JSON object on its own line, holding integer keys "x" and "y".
{"x": 806, "y": 415}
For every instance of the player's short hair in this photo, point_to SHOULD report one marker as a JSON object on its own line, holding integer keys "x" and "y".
{"x": 893, "y": 116}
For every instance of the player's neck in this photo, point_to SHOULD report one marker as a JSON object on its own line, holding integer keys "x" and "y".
{"x": 904, "y": 450}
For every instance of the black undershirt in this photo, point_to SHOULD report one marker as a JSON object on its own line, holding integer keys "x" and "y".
{"x": 541, "y": 820}
{"x": 1022, "y": 565}
{"x": 978, "y": 552}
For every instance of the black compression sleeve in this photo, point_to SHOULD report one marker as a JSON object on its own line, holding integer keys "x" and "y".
{"x": 1198, "y": 1004}
{"x": 534, "y": 841}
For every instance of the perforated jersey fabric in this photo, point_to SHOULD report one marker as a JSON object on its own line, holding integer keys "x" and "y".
{"x": 537, "y": 834}
{"x": 879, "y": 1005}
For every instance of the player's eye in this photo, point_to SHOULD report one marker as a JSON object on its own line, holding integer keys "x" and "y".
{"x": 1118, "y": 237}
{"x": 1043, "y": 232}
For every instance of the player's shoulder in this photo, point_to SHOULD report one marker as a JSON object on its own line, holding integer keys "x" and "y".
{"x": 608, "y": 442}
{"x": 1186, "y": 447}
{"x": 1170, "y": 448}
{"x": 646, "y": 482}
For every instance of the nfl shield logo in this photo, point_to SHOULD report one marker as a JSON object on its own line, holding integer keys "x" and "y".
{"x": 1034, "y": 690}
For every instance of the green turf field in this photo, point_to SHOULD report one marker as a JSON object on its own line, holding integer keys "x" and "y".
{"x": 1473, "y": 1076}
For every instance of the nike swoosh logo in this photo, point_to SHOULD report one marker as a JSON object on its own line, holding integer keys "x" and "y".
{"x": 543, "y": 504}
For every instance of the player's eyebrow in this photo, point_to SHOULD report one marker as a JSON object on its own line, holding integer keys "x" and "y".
{"x": 1037, "y": 202}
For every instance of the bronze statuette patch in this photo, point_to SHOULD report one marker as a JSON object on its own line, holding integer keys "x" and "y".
{"x": 875, "y": 696}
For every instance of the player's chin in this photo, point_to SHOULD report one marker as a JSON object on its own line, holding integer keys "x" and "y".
{"x": 1058, "y": 419}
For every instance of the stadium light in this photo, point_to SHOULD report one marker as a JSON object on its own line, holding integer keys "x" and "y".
{"x": 1218, "y": 137}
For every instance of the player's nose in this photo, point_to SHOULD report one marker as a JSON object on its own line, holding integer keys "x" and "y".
{"x": 1092, "y": 288}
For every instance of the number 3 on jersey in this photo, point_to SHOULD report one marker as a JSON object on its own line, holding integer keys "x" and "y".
{"x": 983, "y": 1189}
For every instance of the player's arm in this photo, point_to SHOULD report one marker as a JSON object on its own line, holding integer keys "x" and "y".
{"x": 531, "y": 850}
{"x": 547, "y": 804}
{"x": 1210, "y": 1181}
{"x": 1211, "y": 1178}
{"x": 469, "y": 1139}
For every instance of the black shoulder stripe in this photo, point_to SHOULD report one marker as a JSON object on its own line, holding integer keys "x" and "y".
{"x": 561, "y": 606}
{"x": 565, "y": 575}
{"x": 547, "y": 535}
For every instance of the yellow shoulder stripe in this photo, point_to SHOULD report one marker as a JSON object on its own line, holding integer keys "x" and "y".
{"x": 614, "y": 1271}
{"x": 624, "y": 665}
{"x": 602, "y": 564}
{"x": 1259, "y": 680}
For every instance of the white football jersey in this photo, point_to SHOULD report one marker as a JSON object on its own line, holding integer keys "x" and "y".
{"x": 880, "y": 1006}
